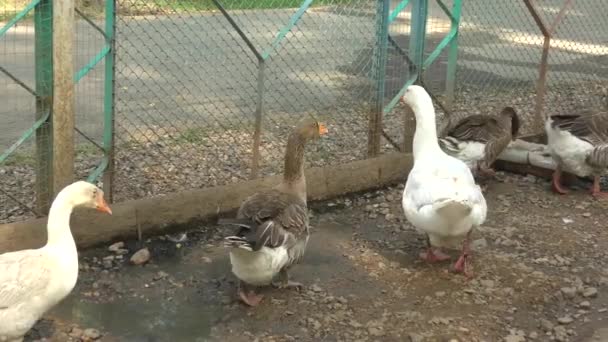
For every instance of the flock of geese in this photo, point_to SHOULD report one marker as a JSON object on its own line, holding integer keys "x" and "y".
{"x": 441, "y": 199}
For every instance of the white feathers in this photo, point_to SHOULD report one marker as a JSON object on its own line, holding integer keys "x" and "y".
{"x": 258, "y": 268}
{"x": 569, "y": 150}
{"x": 440, "y": 198}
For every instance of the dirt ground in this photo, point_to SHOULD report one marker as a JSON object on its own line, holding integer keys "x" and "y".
{"x": 540, "y": 263}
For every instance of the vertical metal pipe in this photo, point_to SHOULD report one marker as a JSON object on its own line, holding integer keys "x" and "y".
{"x": 541, "y": 84}
{"x": 108, "y": 100}
{"x": 257, "y": 135}
{"x": 418, "y": 34}
{"x": 44, "y": 90}
{"x": 379, "y": 74}
{"x": 453, "y": 54}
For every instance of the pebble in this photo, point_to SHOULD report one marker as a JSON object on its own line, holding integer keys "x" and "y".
{"x": 590, "y": 292}
{"x": 569, "y": 292}
{"x": 115, "y": 247}
{"x": 584, "y": 304}
{"x": 479, "y": 244}
{"x": 91, "y": 334}
{"x": 487, "y": 283}
{"x": 375, "y": 331}
{"x": 160, "y": 275}
{"x": 560, "y": 333}
{"x": 565, "y": 320}
{"x": 141, "y": 256}
{"x": 415, "y": 337}
{"x": 515, "y": 338}
{"x": 76, "y": 332}
{"x": 316, "y": 288}
{"x": 546, "y": 325}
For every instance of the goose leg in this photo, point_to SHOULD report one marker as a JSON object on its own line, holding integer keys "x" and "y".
{"x": 463, "y": 264}
{"x": 432, "y": 256}
{"x": 284, "y": 281}
{"x": 556, "y": 182}
{"x": 596, "y": 191}
{"x": 248, "y": 297}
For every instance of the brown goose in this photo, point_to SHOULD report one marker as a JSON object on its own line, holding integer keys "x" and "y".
{"x": 477, "y": 140}
{"x": 273, "y": 224}
{"x": 579, "y": 143}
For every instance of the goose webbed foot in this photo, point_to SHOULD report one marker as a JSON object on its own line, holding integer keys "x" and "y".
{"x": 433, "y": 256}
{"x": 249, "y": 297}
{"x": 596, "y": 190}
{"x": 463, "y": 264}
{"x": 284, "y": 283}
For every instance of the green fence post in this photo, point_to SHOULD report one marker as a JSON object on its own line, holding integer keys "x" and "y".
{"x": 44, "y": 90}
{"x": 418, "y": 34}
{"x": 379, "y": 74}
{"x": 453, "y": 54}
{"x": 108, "y": 101}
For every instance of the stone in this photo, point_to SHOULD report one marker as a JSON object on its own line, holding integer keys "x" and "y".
{"x": 91, "y": 334}
{"x": 565, "y": 320}
{"x": 141, "y": 256}
{"x": 569, "y": 292}
{"x": 590, "y": 292}
{"x": 117, "y": 246}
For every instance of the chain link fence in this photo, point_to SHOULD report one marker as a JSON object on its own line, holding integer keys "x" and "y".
{"x": 500, "y": 50}
{"x": 196, "y": 87}
{"x": 206, "y": 91}
{"x": 25, "y": 90}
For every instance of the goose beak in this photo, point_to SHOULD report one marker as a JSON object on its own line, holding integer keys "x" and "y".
{"x": 322, "y": 129}
{"x": 102, "y": 205}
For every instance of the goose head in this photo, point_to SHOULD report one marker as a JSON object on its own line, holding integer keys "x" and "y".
{"x": 87, "y": 195}
{"x": 416, "y": 96}
{"x": 311, "y": 129}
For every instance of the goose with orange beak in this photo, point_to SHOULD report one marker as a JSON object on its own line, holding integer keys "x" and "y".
{"x": 273, "y": 224}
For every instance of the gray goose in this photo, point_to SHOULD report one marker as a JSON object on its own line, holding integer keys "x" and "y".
{"x": 579, "y": 143}
{"x": 273, "y": 225}
{"x": 477, "y": 140}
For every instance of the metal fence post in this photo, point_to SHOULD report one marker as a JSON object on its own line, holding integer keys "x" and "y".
{"x": 43, "y": 21}
{"x": 63, "y": 94}
{"x": 379, "y": 74}
{"x": 108, "y": 100}
{"x": 418, "y": 34}
{"x": 547, "y": 31}
{"x": 450, "y": 82}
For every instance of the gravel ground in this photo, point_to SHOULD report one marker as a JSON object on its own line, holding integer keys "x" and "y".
{"x": 540, "y": 275}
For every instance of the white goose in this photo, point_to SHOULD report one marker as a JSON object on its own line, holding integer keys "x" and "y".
{"x": 579, "y": 143}
{"x": 440, "y": 198}
{"x": 32, "y": 281}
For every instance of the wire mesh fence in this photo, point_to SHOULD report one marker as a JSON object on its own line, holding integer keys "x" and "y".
{"x": 206, "y": 91}
{"x": 500, "y": 50}
{"x": 193, "y": 93}
{"x": 26, "y": 85}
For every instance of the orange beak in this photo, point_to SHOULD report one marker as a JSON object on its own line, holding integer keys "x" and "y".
{"x": 102, "y": 205}
{"x": 322, "y": 129}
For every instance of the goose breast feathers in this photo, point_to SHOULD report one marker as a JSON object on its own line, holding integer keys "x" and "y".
{"x": 443, "y": 200}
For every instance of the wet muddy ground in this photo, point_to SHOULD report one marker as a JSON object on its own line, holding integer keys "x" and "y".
{"x": 540, "y": 263}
